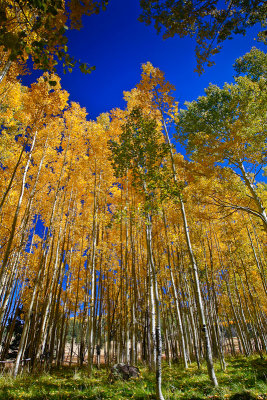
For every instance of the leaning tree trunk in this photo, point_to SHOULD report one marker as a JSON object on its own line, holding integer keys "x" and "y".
{"x": 194, "y": 267}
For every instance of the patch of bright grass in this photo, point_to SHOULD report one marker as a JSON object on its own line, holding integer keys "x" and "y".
{"x": 244, "y": 379}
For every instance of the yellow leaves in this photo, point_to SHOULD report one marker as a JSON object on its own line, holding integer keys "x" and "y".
{"x": 42, "y": 99}
{"x": 76, "y": 190}
{"x": 11, "y": 103}
{"x": 6, "y": 147}
{"x": 141, "y": 99}
{"x": 153, "y": 94}
{"x": 104, "y": 120}
{"x": 153, "y": 80}
{"x": 36, "y": 240}
{"x": 148, "y": 69}
{"x": 115, "y": 192}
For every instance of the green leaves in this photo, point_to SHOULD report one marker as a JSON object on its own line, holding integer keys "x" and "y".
{"x": 141, "y": 151}
{"x": 85, "y": 68}
{"x": 229, "y": 123}
{"x": 252, "y": 64}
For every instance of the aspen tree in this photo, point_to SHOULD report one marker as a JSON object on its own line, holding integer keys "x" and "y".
{"x": 134, "y": 152}
{"x": 229, "y": 124}
{"x": 154, "y": 83}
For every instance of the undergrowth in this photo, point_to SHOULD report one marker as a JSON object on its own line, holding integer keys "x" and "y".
{"x": 244, "y": 379}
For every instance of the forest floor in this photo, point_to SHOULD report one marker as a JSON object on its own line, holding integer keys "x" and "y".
{"x": 244, "y": 379}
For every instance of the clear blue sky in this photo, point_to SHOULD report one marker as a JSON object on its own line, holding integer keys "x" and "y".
{"x": 117, "y": 44}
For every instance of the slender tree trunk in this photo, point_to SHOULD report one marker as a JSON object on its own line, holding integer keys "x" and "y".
{"x": 155, "y": 299}
{"x": 5, "y": 70}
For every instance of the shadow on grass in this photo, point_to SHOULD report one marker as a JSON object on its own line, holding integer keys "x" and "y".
{"x": 243, "y": 396}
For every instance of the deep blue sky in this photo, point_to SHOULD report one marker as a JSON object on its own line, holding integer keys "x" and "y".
{"x": 117, "y": 44}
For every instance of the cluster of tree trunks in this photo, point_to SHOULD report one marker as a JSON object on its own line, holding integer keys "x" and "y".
{"x": 109, "y": 248}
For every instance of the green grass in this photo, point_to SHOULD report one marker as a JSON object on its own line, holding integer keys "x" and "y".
{"x": 244, "y": 379}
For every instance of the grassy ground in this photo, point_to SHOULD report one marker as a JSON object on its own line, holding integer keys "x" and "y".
{"x": 245, "y": 378}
